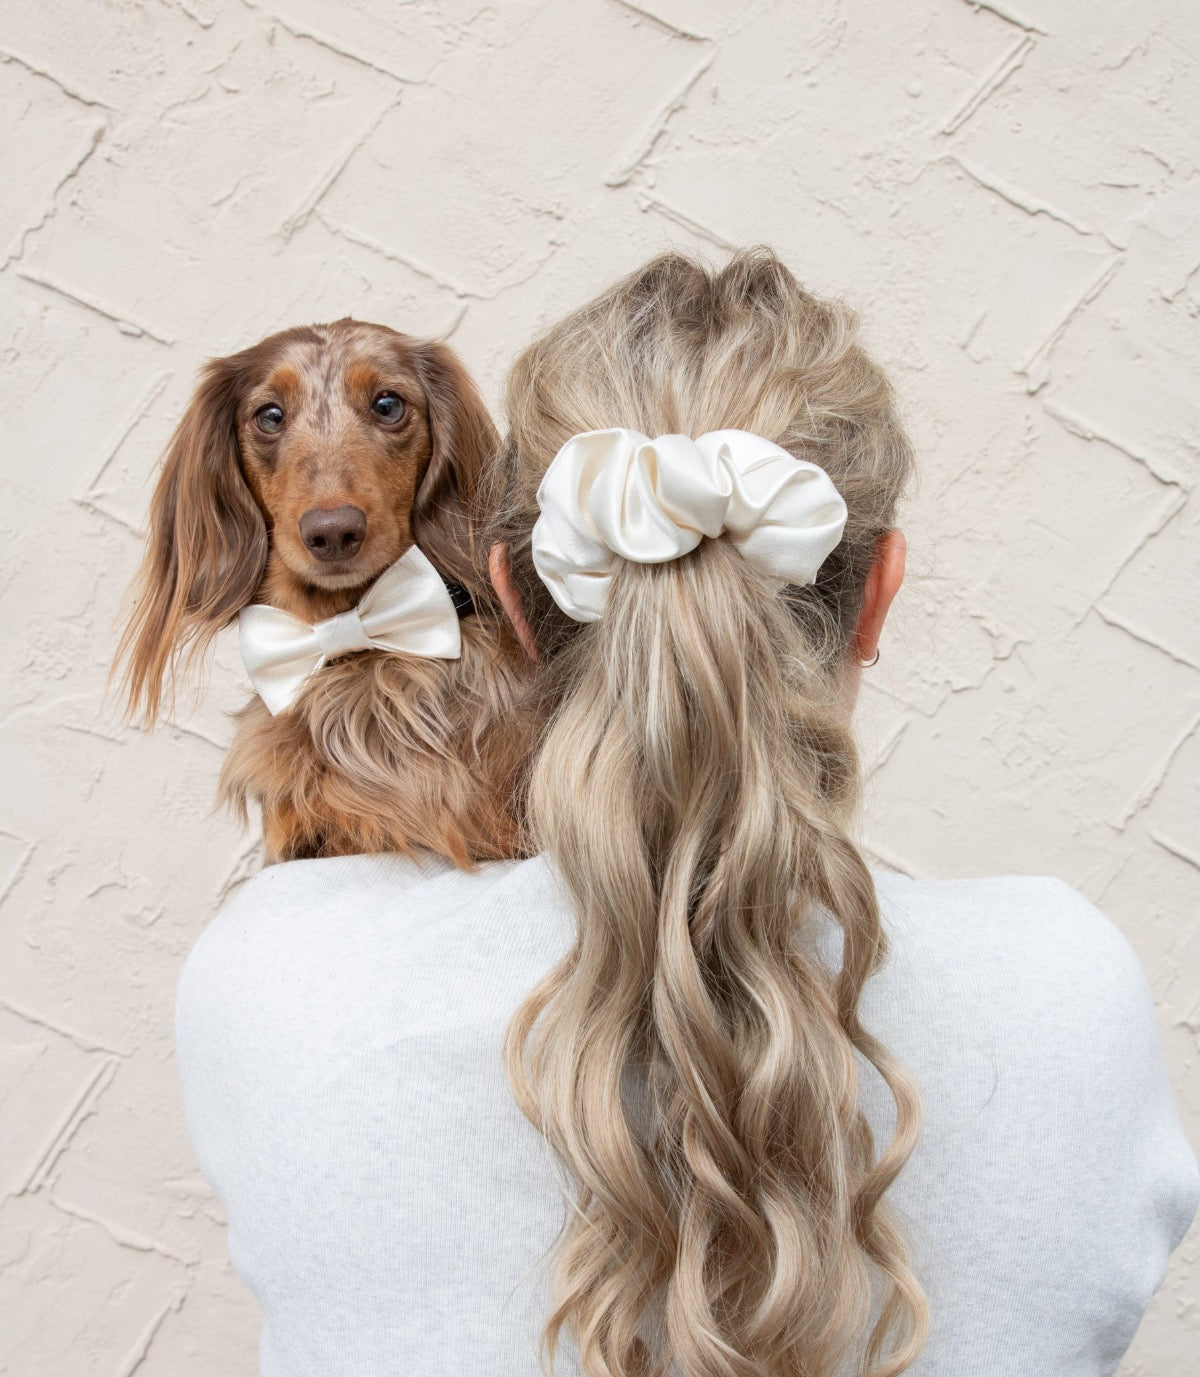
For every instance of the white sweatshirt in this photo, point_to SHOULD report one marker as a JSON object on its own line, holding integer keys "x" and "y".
{"x": 339, "y": 1029}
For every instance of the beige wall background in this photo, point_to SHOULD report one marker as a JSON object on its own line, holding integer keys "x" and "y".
{"x": 1011, "y": 195}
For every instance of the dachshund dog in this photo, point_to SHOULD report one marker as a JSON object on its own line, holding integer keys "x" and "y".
{"x": 303, "y": 468}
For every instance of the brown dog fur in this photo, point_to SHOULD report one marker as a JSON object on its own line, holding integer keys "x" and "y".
{"x": 380, "y": 752}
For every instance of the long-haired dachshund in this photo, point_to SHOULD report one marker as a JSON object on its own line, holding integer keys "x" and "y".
{"x": 303, "y": 469}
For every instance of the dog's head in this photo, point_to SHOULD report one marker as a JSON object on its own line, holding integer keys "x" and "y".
{"x": 303, "y": 467}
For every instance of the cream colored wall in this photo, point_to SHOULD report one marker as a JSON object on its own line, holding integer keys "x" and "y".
{"x": 1010, "y": 192}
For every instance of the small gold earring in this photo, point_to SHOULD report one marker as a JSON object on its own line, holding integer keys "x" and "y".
{"x": 874, "y": 660}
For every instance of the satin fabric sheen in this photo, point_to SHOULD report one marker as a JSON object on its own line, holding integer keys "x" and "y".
{"x": 407, "y": 609}
{"x": 611, "y": 494}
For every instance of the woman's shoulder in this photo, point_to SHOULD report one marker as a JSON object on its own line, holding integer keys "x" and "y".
{"x": 1037, "y": 926}
{"x": 1019, "y": 992}
{"x": 1028, "y": 973}
{"x": 1043, "y": 904}
{"x": 340, "y": 894}
{"x": 300, "y": 929}
{"x": 1050, "y": 1127}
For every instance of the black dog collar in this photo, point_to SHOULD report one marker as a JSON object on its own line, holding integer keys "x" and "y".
{"x": 464, "y": 605}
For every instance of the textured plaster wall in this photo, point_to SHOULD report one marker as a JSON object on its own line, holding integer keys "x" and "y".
{"x": 1011, "y": 193}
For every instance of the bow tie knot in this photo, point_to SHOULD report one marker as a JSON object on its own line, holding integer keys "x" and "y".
{"x": 407, "y": 610}
{"x": 342, "y": 634}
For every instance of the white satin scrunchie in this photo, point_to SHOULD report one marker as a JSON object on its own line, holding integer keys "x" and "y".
{"x": 618, "y": 493}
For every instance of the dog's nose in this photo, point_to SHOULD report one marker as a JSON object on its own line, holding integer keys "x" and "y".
{"x": 333, "y": 533}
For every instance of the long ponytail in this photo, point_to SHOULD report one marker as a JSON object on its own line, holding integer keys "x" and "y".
{"x": 693, "y": 1061}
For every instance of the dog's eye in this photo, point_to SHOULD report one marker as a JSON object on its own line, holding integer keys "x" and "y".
{"x": 388, "y": 407}
{"x": 269, "y": 418}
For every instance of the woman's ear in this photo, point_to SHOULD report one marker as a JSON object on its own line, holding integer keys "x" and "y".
{"x": 510, "y": 599}
{"x": 463, "y": 442}
{"x": 207, "y": 546}
{"x": 883, "y": 583}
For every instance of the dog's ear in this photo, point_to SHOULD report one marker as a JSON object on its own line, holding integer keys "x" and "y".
{"x": 464, "y": 441}
{"x": 207, "y": 546}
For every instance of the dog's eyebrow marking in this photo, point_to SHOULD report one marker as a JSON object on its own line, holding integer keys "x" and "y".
{"x": 283, "y": 379}
{"x": 361, "y": 378}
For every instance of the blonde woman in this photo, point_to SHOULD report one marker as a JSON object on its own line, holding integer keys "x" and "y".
{"x": 688, "y": 1089}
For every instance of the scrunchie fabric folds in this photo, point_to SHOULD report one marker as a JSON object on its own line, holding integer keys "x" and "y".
{"x": 618, "y": 494}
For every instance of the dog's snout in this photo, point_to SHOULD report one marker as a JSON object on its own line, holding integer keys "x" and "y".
{"x": 333, "y": 532}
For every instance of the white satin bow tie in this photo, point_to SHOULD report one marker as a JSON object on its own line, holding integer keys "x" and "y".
{"x": 407, "y": 609}
{"x": 618, "y": 493}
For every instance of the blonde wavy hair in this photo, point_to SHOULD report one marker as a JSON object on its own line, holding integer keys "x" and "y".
{"x": 692, "y": 1061}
